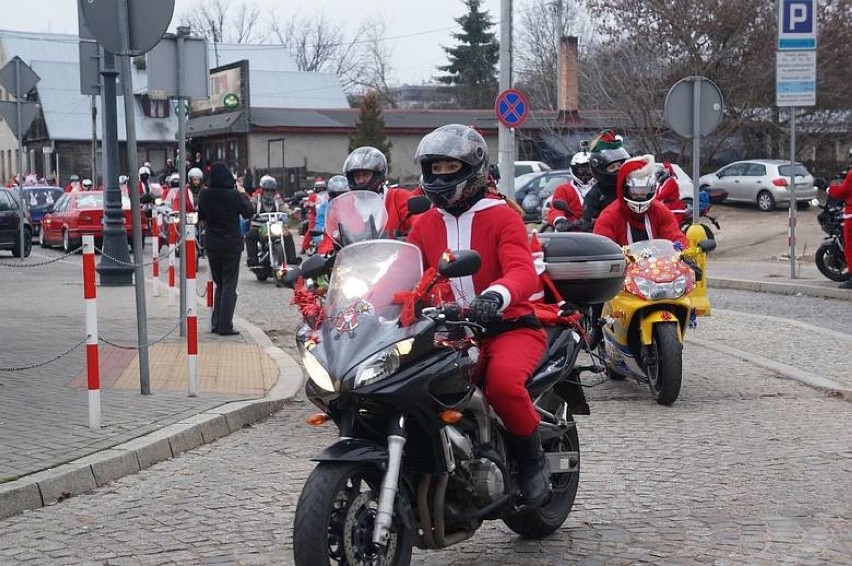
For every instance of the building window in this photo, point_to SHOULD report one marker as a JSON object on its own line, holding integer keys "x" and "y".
{"x": 155, "y": 107}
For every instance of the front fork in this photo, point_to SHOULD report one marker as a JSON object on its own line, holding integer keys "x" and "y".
{"x": 390, "y": 483}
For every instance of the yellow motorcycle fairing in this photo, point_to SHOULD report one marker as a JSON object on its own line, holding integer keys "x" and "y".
{"x": 624, "y": 307}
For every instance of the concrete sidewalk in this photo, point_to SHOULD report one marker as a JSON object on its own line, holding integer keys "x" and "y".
{"x": 770, "y": 276}
{"x": 48, "y": 452}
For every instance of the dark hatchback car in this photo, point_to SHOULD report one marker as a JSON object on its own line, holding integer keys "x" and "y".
{"x": 37, "y": 201}
{"x": 10, "y": 226}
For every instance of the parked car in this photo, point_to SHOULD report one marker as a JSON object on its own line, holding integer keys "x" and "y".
{"x": 523, "y": 167}
{"x": 10, "y": 226}
{"x": 36, "y": 202}
{"x": 75, "y": 214}
{"x": 764, "y": 182}
{"x": 532, "y": 194}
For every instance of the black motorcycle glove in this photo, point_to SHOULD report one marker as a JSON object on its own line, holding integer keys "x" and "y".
{"x": 485, "y": 308}
{"x": 699, "y": 274}
{"x": 565, "y": 225}
{"x": 146, "y": 199}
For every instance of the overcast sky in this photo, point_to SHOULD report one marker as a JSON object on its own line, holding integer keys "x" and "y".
{"x": 417, "y": 28}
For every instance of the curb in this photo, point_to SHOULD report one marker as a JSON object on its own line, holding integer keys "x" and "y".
{"x": 779, "y": 288}
{"x": 85, "y": 474}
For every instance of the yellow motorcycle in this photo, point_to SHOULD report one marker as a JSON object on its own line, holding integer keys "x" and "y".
{"x": 644, "y": 325}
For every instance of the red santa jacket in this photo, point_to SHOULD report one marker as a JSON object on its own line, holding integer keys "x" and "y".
{"x": 499, "y": 235}
{"x": 173, "y": 199}
{"x": 568, "y": 193}
{"x": 669, "y": 194}
{"x": 844, "y": 192}
{"x": 657, "y": 222}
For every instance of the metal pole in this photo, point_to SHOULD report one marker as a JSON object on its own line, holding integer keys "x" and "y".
{"x": 506, "y": 136}
{"x": 132, "y": 160}
{"x": 20, "y": 132}
{"x": 182, "y": 32}
{"x": 95, "y": 143}
{"x": 696, "y": 146}
{"x": 792, "y": 192}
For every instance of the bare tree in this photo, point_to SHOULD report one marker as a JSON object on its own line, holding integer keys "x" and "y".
{"x": 221, "y": 21}
{"x": 535, "y": 47}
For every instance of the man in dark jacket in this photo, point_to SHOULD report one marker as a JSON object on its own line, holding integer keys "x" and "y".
{"x": 607, "y": 155}
{"x": 220, "y": 207}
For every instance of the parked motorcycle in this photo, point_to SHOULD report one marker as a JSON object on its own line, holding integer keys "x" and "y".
{"x": 271, "y": 255}
{"x": 645, "y": 324}
{"x": 829, "y": 257}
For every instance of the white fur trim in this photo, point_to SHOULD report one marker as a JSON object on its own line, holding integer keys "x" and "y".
{"x": 503, "y": 292}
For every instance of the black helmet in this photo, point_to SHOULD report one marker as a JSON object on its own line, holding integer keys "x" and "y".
{"x": 336, "y": 186}
{"x": 607, "y": 155}
{"x": 366, "y": 159}
{"x": 454, "y": 192}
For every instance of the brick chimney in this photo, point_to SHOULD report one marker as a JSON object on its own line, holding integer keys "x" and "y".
{"x": 568, "y": 87}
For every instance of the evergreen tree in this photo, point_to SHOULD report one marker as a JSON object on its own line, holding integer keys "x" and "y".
{"x": 472, "y": 71}
{"x": 370, "y": 128}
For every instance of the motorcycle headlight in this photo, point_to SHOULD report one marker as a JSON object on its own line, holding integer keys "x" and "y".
{"x": 316, "y": 372}
{"x": 382, "y": 364}
{"x": 276, "y": 229}
{"x": 654, "y": 291}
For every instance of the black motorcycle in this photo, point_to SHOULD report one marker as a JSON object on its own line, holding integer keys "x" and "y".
{"x": 421, "y": 458}
{"x": 829, "y": 256}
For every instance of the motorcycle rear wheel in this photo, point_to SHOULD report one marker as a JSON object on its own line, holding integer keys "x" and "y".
{"x": 666, "y": 373}
{"x": 830, "y": 260}
{"x": 538, "y": 522}
{"x": 335, "y": 517}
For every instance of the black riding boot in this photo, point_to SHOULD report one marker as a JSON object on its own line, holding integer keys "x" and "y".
{"x": 535, "y": 473}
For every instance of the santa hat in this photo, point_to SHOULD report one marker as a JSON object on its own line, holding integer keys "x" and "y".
{"x": 635, "y": 168}
{"x": 606, "y": 139}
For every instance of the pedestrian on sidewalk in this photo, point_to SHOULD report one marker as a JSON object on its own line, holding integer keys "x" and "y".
{"x": 844, "y": 192}
{"x": 220, "y": 207}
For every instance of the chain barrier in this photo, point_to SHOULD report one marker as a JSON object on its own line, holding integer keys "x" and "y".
{"x": 44, "y": 363}
{"x": 41, "y": 263}
{"x": 136, "y": 346}
{"x": 163, "y": 255}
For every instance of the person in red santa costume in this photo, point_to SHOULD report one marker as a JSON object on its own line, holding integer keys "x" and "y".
{"x": 572, "y": 193}
{"x": 844, "y": 192}
{"x": 636, "y": 214}
{"x": 366, "y": 169}
{"x": 668, "y": 191}
{"x": 454, "y": 164}
{"x": 312, "y": 202}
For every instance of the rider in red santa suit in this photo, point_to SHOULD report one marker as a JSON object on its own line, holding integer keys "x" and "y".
{"x": 844, "y": 192}
{"x": 572, "y": 193}
{"x": 366, "y": 169}
{"x": 454, "y": 164}
{"x": 636, "y": 215}
{"x": 668, "y": 191}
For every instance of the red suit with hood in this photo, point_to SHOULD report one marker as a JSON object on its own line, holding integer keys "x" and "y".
{"x": 624, "y": 226}
{"x": 568, "y": 193}
{"x": 844, "y": 192}
{"x": 512, "y": 350}
{"x": 668, "y": 193}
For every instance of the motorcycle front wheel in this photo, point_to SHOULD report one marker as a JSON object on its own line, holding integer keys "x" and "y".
{"x": 538, "y": 522}
{"x": 666, "y": 371}
{"x": 830, "y": 260}
{"x": 335, "y": 517}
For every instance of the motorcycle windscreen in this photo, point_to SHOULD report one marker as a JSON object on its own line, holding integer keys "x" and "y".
{"x": 362, "y": 309}
{"x": 356, "y": 216}
{"x": 655, "y": 259}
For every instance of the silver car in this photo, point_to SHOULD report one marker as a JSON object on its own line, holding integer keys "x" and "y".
{"x": 764, "y": 182}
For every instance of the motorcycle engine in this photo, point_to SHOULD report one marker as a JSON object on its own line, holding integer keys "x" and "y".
{"x": 487, "y": 480}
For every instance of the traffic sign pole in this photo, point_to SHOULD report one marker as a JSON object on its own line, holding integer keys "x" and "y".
{"x": 20, "y": 132}
{"x": 506, "y": 136}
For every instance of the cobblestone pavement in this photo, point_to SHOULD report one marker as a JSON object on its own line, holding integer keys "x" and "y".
{"x": 744, "y": 469}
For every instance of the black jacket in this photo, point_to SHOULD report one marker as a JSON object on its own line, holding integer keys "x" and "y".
{"x": 221, "y": 209}
{"x": 595, "y": 201}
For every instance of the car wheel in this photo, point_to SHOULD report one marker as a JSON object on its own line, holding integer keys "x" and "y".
{"x": 41, "y": 240}
{"x": 28, "y": 245}
{"x": 765, "y": 201}
{"x": 66, "y": 242}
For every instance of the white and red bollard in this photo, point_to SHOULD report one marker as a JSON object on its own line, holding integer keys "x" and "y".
{"x": 191, "y": 314}
{"x": 93, "y": 369}
{"x": 172, "y": 246}
{"x": 155, "y": 253}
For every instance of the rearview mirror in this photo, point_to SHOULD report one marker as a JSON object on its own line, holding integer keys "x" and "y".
{"x": 463, "y": 264}
{"x": 314, "y": 266}
{"x": 418, "y": 205}
{"x": 291, "y": 277}
{"x": 707, "y": 245}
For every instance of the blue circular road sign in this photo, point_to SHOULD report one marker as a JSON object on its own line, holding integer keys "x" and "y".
{"x": 512, "y": 108}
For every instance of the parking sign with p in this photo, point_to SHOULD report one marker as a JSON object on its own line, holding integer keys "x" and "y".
{"x": 796, "y": 24}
